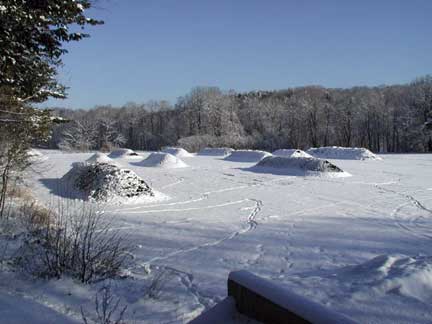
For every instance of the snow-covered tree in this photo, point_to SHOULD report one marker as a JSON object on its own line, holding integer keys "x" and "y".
{"x": 32, "y": 38}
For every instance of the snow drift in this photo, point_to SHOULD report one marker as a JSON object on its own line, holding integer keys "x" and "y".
{"x": 297, "y": 166}
{"x": 291, "y": 153}
{"x": 177, "y": 151}
{"x": 101, "y": 158}
{"x": 162, "y": 160}
{"x": 408, "y": 276}
{"x": 216, "y": 151}
{"x": 123, "y": 153}
{"x": 104, "y": 182}
{"x": 247, "y": 156}
{"x": 342, "y": 153}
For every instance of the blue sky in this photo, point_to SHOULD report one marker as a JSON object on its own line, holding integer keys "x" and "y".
{"x": 160, "y": 49}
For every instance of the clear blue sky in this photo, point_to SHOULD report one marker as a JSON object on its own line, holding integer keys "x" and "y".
{"x": 160, "y": 49}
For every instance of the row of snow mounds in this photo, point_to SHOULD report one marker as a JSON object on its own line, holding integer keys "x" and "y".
{"x": 247, "y": 156}
{"x": 162, "y": 160}
{"x": 177, "y": 151}
{"x": 298, "y": 166}
{"x": 390, "y": 274}
{"x": 123, "y": 153}
{"x": 343, "y": 153}
{"x": 291, "y": 153}
{"x": 216, "y": 151}
{"x": 103, "y": 182}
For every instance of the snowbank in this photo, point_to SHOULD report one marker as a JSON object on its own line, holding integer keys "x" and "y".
{"x": 247, "y": 156}
{"x": 162, "y": 160}
{"x": 123, "y": 153}
{"x": 19, "y": 309}
{"x": 216, "y": 151}
{"x": 106, "y": 183}
{"x": 101, "y": 158}
{"x": 177, "y": 151}
{"x": 408, "y": 276}
{"x": 342, "y": 153}
{"x": 291, "y": 153}
{"x": 298, "y": 166}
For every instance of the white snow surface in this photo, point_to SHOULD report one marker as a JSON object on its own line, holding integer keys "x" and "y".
{"x": 247, "y": 156}
{"x": 298, "y": 166}
{"x": 291, "y": 153}
{"x": 343, "y": 153}
{"x": 216, "y": 151}
{"x": 162, "y": 160}
{"x": 359, "y": 246}
{"x": 177, "y": 151}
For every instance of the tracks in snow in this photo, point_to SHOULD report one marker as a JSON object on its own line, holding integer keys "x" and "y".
{"x": 180, "y": 180}
{"x": 184, "y": 209}
{"x": 410, "y": 225}
{"x": 186, "y": 278}
{"x": 410, "y": 198}
{"x": 204, "y": 196}
{"x": 187, "y": 281}
{"x": 251, "y": 224}
{"x": 251, "y": 218}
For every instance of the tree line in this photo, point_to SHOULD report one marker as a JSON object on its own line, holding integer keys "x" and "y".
{"x": 393, "y": 118}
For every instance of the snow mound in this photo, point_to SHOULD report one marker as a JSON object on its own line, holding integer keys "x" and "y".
{"x": 105, "y": 182}
{"x": 101, "y": 158}
{"x": 408, "y": 276}
{"x": 177, "y": 151}
{"x": 162, "y": 160}
{"x": 123, "y": 153}
{"x": 216, "y": 151}
{"x": 35, "y": 155}
{"x": 247, "y": 156}
{"x": 291, "y": 153}
{"x": 342, "y": 153}
{"x": 298, "y": 166}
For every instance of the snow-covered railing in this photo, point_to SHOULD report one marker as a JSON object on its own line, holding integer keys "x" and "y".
{"x": 267, "y": 302}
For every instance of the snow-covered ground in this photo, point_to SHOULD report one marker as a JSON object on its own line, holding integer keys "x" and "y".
{"x": 359, "y": 245}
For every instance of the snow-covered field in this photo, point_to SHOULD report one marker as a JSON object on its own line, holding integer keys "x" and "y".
{"x": 359, "y": 245}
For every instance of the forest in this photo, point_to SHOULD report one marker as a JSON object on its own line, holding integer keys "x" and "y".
{"x": 395, "y": 118}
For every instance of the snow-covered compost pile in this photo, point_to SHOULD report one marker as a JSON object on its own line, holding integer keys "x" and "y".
{"x": 101, "y": 158}
{"x": 297, "y": 166}
{"x": 104, "y": 182}
{"x": 35, "y": 156}
{"x": 177, "y": 151}
{"x": 247, "y": 156}
{"x": 291, "y": 153}
{"x": 216, "y": 151}
{"x": 342, "y": 153}
{"x": 123, "y": 153}
{"x": 162, "y": 160}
